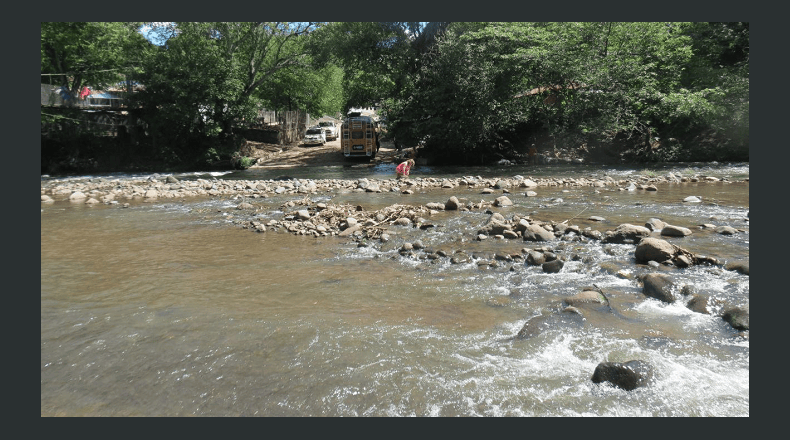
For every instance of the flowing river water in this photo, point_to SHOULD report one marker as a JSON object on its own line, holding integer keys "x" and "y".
{"x": 167, "y": 308}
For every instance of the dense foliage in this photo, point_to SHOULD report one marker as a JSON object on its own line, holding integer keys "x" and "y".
{"x": 640, "y": 90}
{"x": 468, "y": 92}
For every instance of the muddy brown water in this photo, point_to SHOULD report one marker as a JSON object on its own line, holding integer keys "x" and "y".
{"x": 167, "y": 308}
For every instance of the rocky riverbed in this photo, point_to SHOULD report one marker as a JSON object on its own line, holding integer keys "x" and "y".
{"x": 539, "y": 238}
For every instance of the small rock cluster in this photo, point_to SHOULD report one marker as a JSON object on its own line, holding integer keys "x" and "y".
{"x": 105, "y": 190}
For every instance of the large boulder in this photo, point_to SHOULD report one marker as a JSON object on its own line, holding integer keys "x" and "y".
{"x": 535, "y": 258}
{"x": 626, "y": 233}
{"x": 700, "y": 303}
{"x": 737, "y": 317}
{"x": 675, "y": 231}
{"x": 553, "y": 266}
{"x": 653, "y": 249}
{"x": 537, "y": 233}
{"x": 533, "y": 327}
{"x": 628, "y": 376}
{"x": 738, "y": 266}
{"x": 659, "y": 286}
{"x": 452, "y": 204}
{"x": 587, "y": 296}
{"x": 502, "y": 201}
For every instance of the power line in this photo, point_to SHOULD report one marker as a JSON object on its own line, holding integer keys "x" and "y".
{"x": 72, "y": 73}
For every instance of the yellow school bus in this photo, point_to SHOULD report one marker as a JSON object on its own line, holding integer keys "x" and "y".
{"x": 359, "y": 136}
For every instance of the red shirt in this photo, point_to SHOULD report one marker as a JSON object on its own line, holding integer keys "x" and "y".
{"x": 403, "y": 168}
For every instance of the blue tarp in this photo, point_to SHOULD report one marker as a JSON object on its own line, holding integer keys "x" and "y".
{"x": 104, "y": 96}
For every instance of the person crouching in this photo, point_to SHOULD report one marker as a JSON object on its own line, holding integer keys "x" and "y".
{"x": 403, "y": 169}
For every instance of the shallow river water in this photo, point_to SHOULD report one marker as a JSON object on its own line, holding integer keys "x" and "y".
{"x": 166, "y": 308}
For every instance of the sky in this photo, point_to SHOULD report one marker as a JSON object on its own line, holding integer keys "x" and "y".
{"x": 147, "y": 32}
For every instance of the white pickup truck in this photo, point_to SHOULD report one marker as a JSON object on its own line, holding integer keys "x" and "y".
{"x": 330, "y": 128}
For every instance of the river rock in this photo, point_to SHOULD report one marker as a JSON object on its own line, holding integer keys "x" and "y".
{"x": 350, "y": 230}
{"x": 350, "y": 222}
{"x": 628, "y": 376}
{"x": 537, "y": 233}
{"x": 452, "y": 203}
{"x": 655, "y": 224}
{"x": 502, "y": 256}
{"x": 626, "y": 233}
{"x": 494, "y": 227}
{"x": 511, "y": 235}
{"x": 596, "y": 218}
{"x": 683, "y": 261}
{"x": 436, "y": 206}
{"x": 726, "y": 230}
{"x": 737, "y": 317}
{"x": 692, "y": 199}
{"x": 587, "y": 297}
{"x": 528, "y": 183}
{"x": 533, "y": 327}
{"x": 553, "y": 266}
{"x": 658, "y": 286}
{"x": 535, "y": 258}
{"x": 46, "y": 198}
{"x": 503, "y": 201}
{"x": 700, "y": 303}
{"x": 653, "y": 249}
{"x": 151, "y": 194}
{"x": 530, "y": 194}
{"x": 738, "y": 266}
{"x": 171, "y": 179}
{"x": 675, "y": 231}
{"x": 77, "y": 195}
{"x": 403, "y": 221}
{"x": 592, "y": 233}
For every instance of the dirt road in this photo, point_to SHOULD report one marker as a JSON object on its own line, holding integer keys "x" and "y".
{"x": 288, "y": 156}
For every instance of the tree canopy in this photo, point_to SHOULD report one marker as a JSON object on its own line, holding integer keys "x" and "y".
{"x": 95, "y": 54}
{"x": 467, "y": 91}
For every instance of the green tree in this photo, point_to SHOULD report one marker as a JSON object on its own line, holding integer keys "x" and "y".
{"x": 379, "y": 59}
{"x": 207, "y": 76}
{"x": 487, "y": 83}
{"x": 76, "y": 54}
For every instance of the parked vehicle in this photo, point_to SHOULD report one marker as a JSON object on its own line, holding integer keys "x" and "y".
{"x": 314, "y": 136}
{"x": 330, "y": 129}
{"x": 360, "y": 136}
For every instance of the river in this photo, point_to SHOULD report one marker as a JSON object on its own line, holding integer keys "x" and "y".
{"x": 168, "y": 308}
